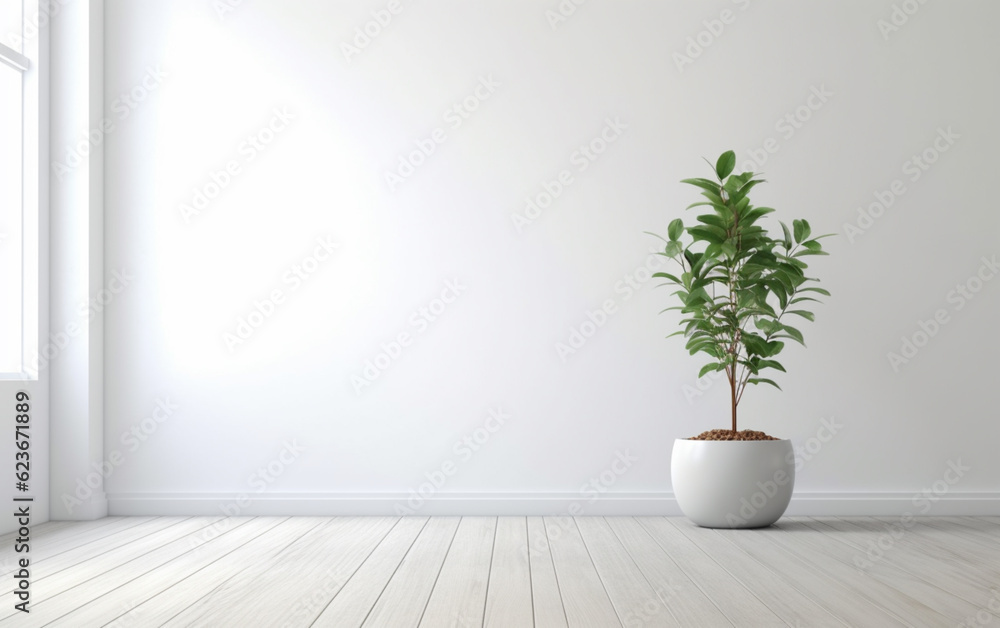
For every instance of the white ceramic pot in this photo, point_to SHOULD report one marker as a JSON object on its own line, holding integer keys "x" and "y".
{"x": 733, "y": 484}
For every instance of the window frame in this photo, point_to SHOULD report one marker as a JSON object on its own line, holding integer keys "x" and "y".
{"x": 33, "y": 178}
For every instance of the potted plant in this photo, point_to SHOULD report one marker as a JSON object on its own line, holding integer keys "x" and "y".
{"x": 738, "y": 287}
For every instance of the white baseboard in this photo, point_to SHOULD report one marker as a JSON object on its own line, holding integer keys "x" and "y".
{"x": 94, "y": 507}
{"x": 473, "y": 504}
{"x": 893, "y": 504}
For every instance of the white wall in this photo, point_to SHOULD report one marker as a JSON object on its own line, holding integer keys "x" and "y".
{"x": 202, "y": 80}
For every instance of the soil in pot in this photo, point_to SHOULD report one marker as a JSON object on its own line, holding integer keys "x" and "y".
{"x": 731, "y": 435}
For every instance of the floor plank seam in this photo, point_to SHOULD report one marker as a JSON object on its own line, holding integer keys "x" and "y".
{"x": 555, "y": 572}
{"x": 437, "y": 576}
{"x": 489, "y": 571}
{"x": 680, "y": 568}
{"x": 389, "y": 579}
{"x": 664, "y": 601}
{"x": 860, "y": 592}
{"x": 743, "y": 584}
{"x": 97, "y": 576}
{"x": 86, "y": 543}
{"x": 110, "y": 592}
{"x": 907, "y": 572}
{"x": 600, "y": 578}
{"x": 531, "y": 582}
{"x": 241, "y": 571}
{"x": 343, "y": 585}
{"x": 853, "y": 525}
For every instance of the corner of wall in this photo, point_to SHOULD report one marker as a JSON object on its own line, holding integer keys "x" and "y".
{"x": 77, "y": 265}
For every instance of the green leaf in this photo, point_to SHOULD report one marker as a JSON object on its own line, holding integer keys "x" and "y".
{"x": 725, "y": 165}
{"x": 778, "y": 289}
{"x": 742, "y": 204}
{"x": 704, "y": 184}
{"x": 673, "y": 249}
{"x": 770, "y": 364}
{"x": 802, "y": 230}
{"x": 755, "y": 213}
{"x": 749, "y": 185}
{"x": 751, "y": 366}
{"x": 806, "y": 315}
{"x": 715, "y": 198}
{"x": 755, "y": 344}
{"x": 732, "y": 186}
{"x": 668, "y": 276}
{"x": 698, "y": 295}
{"x": 802, "y": 299}
{"x": 709, "y": 234}
{"x": 794, "y": 333}
{"x": 814, "y": 289}
{"x": 704, "y": 345}
{"x": 675, "y": 229}
{"x": 713, "y": 220}
{"x": 708, "y": 368}
{"x": 761, "y": 380}
{"x": 774, "y": 348}
{"x": 699, "y": 204}
{"x": 788, "y": 236}
{"x": 767, "y": 326}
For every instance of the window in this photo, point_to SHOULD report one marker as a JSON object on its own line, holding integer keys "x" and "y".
{"x": 19, "y": 186}
{"x": 11, "y": 176}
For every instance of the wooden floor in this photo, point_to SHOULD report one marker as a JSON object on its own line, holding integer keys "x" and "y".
{"x": 508, "y": 572}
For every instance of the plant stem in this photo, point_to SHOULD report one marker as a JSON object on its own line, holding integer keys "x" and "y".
{"x": 733, "y": 304}
{"x": 732, "y": 390}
